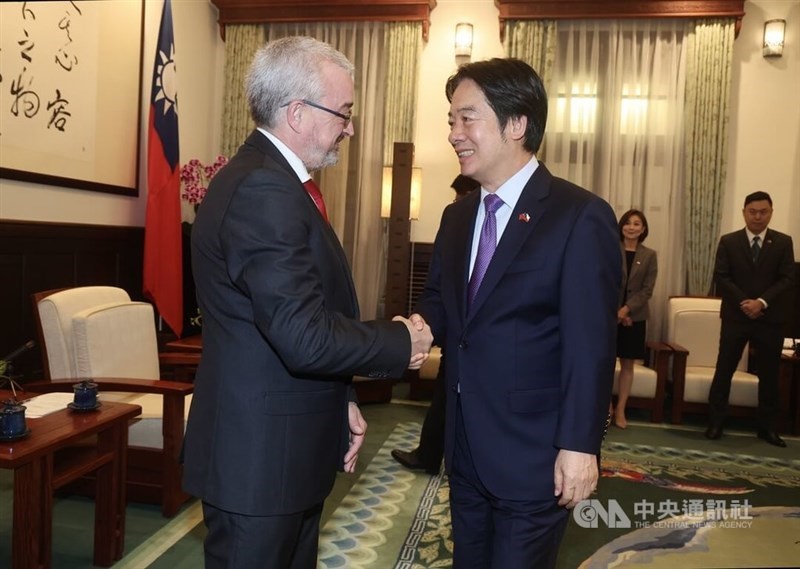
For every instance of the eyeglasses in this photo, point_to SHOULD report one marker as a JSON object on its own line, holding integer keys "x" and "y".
{"x": 346, "y": 118}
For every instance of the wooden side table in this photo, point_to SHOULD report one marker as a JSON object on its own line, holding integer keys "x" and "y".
{"x": 37, "y": 474}
{"x": 789, "y": 385}
{"x": 192, "y": 344}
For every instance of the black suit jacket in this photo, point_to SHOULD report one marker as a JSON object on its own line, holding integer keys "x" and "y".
{"x": 771, "y": 277}
{"x": 534, "y": 355}
{"x": 268, "y": 424}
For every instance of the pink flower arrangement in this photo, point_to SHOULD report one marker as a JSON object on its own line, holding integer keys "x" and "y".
{"x": 195, "y": 178}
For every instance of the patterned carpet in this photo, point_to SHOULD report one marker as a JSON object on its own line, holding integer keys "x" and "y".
{"x": 654, "y": 508}
{"x": 657, "y": 507}
{"x": 382, "y": 501}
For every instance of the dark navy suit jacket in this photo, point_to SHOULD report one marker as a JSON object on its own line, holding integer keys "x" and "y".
{"x": 534, "y": 355}
{"x": 268, "y": 425}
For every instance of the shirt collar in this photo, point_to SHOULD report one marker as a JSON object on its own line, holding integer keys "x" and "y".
{"x": 512, "y": 188}
{"x": 750, "y": 235}
{"x": 292, "y": 158}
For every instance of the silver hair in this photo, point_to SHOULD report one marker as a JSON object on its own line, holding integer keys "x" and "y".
{"x": 286, "y": 70}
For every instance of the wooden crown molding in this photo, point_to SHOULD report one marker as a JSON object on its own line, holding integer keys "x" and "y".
{"x": 263, "y": 11}
{"x": 583, "y": 9}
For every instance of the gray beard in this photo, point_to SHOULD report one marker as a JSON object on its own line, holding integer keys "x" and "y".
{"x": 330, "y": 158}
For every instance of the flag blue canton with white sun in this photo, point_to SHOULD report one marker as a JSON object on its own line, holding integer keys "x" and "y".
{"x": 164, "y": 96}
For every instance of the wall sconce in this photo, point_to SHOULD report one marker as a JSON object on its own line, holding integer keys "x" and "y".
{"x": 416, "y": 193}
{"x": 463, "y": 40}
{"x": 773, "y": 38}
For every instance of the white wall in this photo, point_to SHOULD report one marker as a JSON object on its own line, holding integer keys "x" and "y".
{"x": 198, "y": 58}
{"x": 764, "y": 129}
{"x": 432, "y": 152}
{"x": 764, "y": 151}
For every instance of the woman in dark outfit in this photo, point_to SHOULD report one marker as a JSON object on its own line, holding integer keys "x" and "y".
{"x": 639, "y": 277}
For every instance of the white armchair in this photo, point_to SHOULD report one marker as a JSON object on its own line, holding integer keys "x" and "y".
{"x": 649, "y": 387}
{"x": 693, "y": 326}
{"x": 98, "y": 333}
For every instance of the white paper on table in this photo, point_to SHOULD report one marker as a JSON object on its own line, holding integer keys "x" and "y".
{"x": 46, "y": 403}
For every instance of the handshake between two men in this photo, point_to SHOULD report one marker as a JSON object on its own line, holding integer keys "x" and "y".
{"x": 421, "y": 339}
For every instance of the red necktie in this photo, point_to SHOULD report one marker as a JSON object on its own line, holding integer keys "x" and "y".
{"x": 313, "y": 190}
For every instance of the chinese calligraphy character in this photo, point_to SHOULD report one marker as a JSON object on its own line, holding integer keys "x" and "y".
{"x": 59, "y": 114}
{"x": 64, "y": 59}
{"x": 28, "y": 98}
{"x": 26, "y": 11}
{"x": 27, "y": 46}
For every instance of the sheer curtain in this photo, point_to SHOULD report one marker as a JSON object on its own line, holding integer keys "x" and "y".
{"x": 242, "y": 42}
{"x": 352, "y": 187}
{"x": 708, "y": 86}
{"x": 384, "y": 93}
{"x": 532, "y": 41}
{"x": 615, "y": 127}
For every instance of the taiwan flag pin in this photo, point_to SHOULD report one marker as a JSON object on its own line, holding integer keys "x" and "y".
{"x": 524, "y": 217}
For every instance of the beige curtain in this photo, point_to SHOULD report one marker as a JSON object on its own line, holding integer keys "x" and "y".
{"x": 532, "y": 41}
{"x": 241, "y": 44}
{"x": 403, "y": 48}
{"x": 614, "y": 92}
{"x": 386, "y": 57}
{"x": 708, "y": 81}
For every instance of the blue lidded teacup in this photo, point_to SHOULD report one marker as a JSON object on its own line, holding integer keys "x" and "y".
{"x": 12, "y": 419}
{"x": 85, "y": 394}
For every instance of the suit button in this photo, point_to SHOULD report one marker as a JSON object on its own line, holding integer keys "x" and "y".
{"x": 462, "y": 346}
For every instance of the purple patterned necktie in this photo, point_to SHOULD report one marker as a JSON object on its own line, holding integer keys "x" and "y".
{"x": 486, "y": 244}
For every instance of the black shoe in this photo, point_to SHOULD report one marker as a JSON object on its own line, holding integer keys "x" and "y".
{"x": 714, "y": 432}
{"x": 771, "y": 437}
{"x": 410, "y": 460}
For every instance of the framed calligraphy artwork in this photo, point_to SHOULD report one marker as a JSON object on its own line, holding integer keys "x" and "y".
{"x": 70, "y": 93}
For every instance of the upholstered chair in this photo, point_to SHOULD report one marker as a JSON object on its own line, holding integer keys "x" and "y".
{"x": 693, "y": 326}
{"x": 98, "y": 333}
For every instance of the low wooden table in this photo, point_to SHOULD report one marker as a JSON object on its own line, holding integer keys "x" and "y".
{"x": 37, "y": 474}
{"x": 192, "y": 344}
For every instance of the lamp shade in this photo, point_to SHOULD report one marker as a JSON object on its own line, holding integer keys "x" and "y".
{"x": 463, "y": 45}
{"x": 774, "y": 31}
{"x": 416, "y": 193}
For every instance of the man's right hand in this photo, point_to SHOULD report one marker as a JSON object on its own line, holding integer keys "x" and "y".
{"x": 421, "y": 340}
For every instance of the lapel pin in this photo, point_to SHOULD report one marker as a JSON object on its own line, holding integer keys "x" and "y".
{"x": 524, "y": 217}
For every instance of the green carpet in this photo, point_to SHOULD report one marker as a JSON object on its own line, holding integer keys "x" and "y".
{"x": 663, "y": 481}
{"x": 668, "y": 498}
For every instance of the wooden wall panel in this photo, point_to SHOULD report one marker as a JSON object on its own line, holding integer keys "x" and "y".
{"x": 261, "y": 11}
{"x": 43, "y": 256}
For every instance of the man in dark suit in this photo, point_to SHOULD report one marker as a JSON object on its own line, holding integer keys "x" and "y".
{"x": 274, "y": 415}
{"x": 530, "y": 345}
{"x": 429, "y": 453}
{"x": 754, "y": 274}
